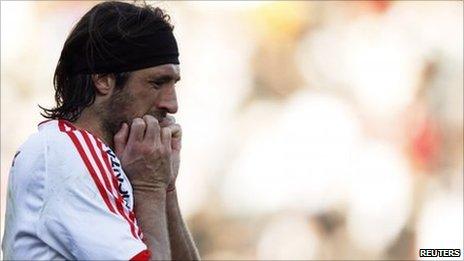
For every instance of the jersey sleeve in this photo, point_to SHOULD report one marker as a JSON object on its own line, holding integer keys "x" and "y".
{"x": 84, "y": 216}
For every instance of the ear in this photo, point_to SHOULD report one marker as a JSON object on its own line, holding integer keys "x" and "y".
{"x": 104, "y": 83}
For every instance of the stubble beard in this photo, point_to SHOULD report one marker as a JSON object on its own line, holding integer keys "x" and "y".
{"x": 115, "y": 112}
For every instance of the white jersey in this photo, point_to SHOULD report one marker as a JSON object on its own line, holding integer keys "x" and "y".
{"x": 68, "y": 198}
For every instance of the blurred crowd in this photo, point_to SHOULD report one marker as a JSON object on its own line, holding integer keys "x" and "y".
{"x": 312, "y": 130}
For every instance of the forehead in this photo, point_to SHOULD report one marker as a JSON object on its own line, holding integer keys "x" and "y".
{"x": 165, "y": 70}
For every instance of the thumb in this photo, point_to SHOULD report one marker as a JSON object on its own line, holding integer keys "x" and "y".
{"x": 176, "y": 141}
{"x": 120, "y": 139}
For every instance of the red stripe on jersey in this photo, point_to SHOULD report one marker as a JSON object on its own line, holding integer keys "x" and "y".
{"x": 61, "y": 125}
{"x": 89, "y": 167}
{"x": 70, "y": 125}
{"x": 142, "y": 256}
{"x": 139, "y": 232}
{"x": 96, "y": 159}
{"x": 118, "y": 200}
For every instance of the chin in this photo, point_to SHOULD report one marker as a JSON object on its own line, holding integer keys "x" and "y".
{"x": 113, "y": 126}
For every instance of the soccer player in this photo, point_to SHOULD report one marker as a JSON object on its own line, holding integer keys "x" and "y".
{"x": 97, "y": 181}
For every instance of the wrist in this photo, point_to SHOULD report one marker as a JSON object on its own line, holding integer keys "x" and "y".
{"x": 145, "y": 186}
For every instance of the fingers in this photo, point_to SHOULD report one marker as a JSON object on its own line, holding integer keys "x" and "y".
{"x": 120, "y": 139}
{"x": 152, "y": 132}
{"x": 176, "y": 131}
{"x": 147, "y": 131}
{"x": 167, "y": 121}
{"x": 166, "y": 138}
{"x": 137, "y": 130}
{"x": 176, "y": 136}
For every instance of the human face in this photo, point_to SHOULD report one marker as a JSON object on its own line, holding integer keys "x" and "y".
{"x": 147, "y": 91}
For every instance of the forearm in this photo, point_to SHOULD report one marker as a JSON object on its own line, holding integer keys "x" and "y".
{"x": 182, "y": 245}
{"x": 150, "y": 209}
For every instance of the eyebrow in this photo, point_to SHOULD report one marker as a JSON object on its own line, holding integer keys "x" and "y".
{"x": 165, "y": 78}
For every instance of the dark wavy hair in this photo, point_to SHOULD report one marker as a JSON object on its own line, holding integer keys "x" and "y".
{"x": 75, "y": 92}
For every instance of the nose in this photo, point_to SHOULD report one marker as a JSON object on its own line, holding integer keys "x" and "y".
{"x": 168, "y": 100}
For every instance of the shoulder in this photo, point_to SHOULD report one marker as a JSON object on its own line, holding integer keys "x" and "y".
{"x": 58, "y": 151}
{"x": 77, "y": 146}
{"x": 55, "y": 135}
{"x": 32, "y": 156}
{"x": 47, "y": 147}
{"x": 32, "y": 148}
{"x": 67, "y": 146}
{"x": 57, "y": 145}
{"x": 28, "y": 164}
{"x": 75, "y": 158}
{"x": 68, "y": 149}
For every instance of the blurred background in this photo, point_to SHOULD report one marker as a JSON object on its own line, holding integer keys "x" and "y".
{"x": 312, "y": 130}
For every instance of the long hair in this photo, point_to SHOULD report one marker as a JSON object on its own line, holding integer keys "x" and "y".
{"x": 75, "y": 92}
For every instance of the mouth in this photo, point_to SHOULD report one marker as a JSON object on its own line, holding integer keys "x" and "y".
{"x": 163, "y": 118}
{"x": 166, "y": 121}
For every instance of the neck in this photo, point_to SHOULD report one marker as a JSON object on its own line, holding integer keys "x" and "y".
{"x": 91, "y": 123}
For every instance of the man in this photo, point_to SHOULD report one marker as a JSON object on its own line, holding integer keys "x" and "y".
{"x": 97, "y": 181}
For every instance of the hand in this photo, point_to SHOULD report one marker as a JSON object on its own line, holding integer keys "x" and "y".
{"x": 145, "y": 153}
{"x": 176, "y": 144}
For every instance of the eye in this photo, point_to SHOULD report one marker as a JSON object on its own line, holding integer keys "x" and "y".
{"x": 157, "y": 84}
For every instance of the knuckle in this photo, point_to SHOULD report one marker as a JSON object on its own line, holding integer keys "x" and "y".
{"x": 142, "y": 147}
{"x": 118, "y": 137}
{"x": 138, "y": 121}
{"x": 156, "y": 123}
{"x": 148, "y": 150}
{"x": 156, "y": 150}
{"x": 149, "y": 119}
{"x": 137, "y": 147}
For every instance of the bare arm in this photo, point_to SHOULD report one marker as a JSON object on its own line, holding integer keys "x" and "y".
{"x": 150, "y": 207}
{"x": 182, "y": 245}
{"x": 145, "y": 155}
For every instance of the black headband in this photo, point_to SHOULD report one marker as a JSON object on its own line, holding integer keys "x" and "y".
{"x": 121, "y": 54}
